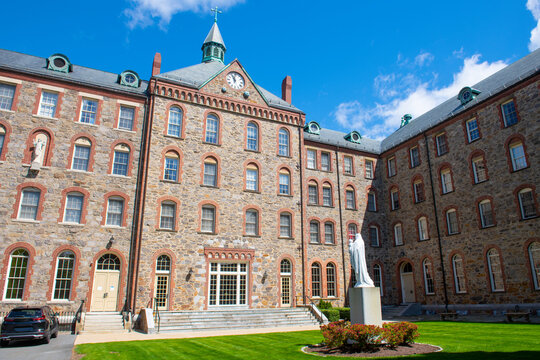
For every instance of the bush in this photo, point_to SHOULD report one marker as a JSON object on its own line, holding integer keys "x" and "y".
{"x": 366, "y": 337}
{"x": 324, "y": 305}
{"x": 335, "y": 333}
{"x": 399, "y": 333}
{"x": 344, "y": 313}
{"x": 331, "y": 314}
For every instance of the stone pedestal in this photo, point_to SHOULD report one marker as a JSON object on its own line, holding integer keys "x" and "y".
{"x": 365, "y": 305}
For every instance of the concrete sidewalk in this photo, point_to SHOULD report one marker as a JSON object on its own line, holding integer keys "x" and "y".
{"x": 136, "y": 336}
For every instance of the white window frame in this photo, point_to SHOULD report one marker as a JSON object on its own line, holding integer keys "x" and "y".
{"x": 482, "y": 215}
{"x": 311, "y": 159}
{"x": 519, "y": 161}
{"x": 63, "y": 272}
{"x": 7, "y": 96}
{"x": 417, "y": 192}
{"x": 10, "y": 271}
{"x": 313, "y": 194}
{"x": 392, "y": 166}
{"x": 505, "y": 120}
{"x": 283, "y": 142}
{"x": 479, "y": 167}
{"x": 535, "y": 269}
{"x": 415, "y": 159}
{"x": 284, "y": 186}
{"x": 92, "y": 114}
{"x": 47, "y": 107}
{"x": 167, "y": 218}
{"x": 398, "y": 234}
{"x": 209, "y": 178}
{"x": 252, "y": 136}
{"x": 370, "y": 174}
{"x": 327, "y": 195}
{"x": 394, "y": 198}
{"x": 316, "y": 291}
{"x": 253, "y": 226}
{"x": 441, "y": 146}
{"x": 325, "y": 161}
{"x": 211, "y": 134}
{"x": 329, "y": 232}
{"x": 521, "y": 206}
{"x": 377, "y": 277}
{"x": 312, "y": 225}
{"x": 429, "y": 284}
{"x": 450, "y": 224}
{"x": 331, "y": 290}
{"x": 473, "y": 130}
{"x": 66, "y": 207}
{"x": 350, "y": 199}
{"x": 287, "y": 227}
{"x": 174, "y": 123}
{"x": 372, "y": 195}
{"x": 34, "y": 207}
{"x": 108, "y": 220}
{"x": 423, "y": 232}
{"x": 171, "y": 173}
{"x": 117, "y": 165}
{"x": 348, "y": 165}
{"x": 208, "y": 224}
{"x": 491, "y": 255}
{"x": 122, "y": 118}
{"x": 461, "y": 288}
{"x": 87, "y": 160}
{"x": 446, "y": 181}
{"x": 374, "y": 242}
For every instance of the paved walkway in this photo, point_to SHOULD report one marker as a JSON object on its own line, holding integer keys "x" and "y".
{"x": 58, "y": 349}
{"x": 136, "y": 336}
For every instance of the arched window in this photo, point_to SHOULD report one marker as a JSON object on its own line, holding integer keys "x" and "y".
{"x": 163, "y": 272}
{"x": 167, "y": 219}
{"x": 212, "y": 129}
{"x": 418, "y": 188}
{"x": 352, "y": 230}
{"x": 121, "y": 160}
{"x": 330, "y": 280}
{"x": 284, "y": 182}
{"x": 172, "y": 166}
{"x": 377, "y": 277}
{"x": 327, "y": 194}
{"x": 495, "y": 270}
{"x": 29, "y": 203}
{"x": 252, "y": 137}
{"x": 64, "y": 275}
{"x": 285, "y": 225}
{"x": 527, "y": 204}
{"x": 315, "y": 280}
{"x": 372, "y": 201}
{"x": 210, "y": 172}
{"x": 459, "y": 274}
{"x": 394, "y": 198}
{"x": 398, "y": 234}
{"x": 422, "y": 228}
{"x": 329, "y": 232}
{"x": 485, "y": 210}
{"x": 517, "y": 155}
{"x": 174, "y": 125}
{"x": 446, "y": 181}
{"x": 534, "y": 258}
{"x": 3, "y": 134}
{"x": 108, "y": 262}
{"x": 314, "y": 232}
{"x": 285, "y": 271}
{"x": 73, "y": 208}
{"x": 452, "y": 225}
{"x": 313, "y": 193}
{"x": 208, "y": 219}
{"x": 350, "y": 198}
{"x": 81, "y": 154}
{"x": 283, "y": 139}
{"x": 16, "y": 276}
{"x": 428, "y": 277}
{"x": 115, "y": 211}
{"x": 252, "y": 177}
{"x": 252, "y": 222}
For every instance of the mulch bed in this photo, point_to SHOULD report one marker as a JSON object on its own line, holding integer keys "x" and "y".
{"x": 382, "y": 351}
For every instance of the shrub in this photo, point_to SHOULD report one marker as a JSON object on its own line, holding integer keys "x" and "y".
{"x": 335, "y": 333}
{"x": 344, "y": 313}
{"x": 399, "y": 333}
{"x": 331, "y": 314}
{"x": 324, "y": 305}
{"x": 366, "y": 337}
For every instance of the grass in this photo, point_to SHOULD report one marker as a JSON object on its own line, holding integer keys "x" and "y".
{"x": 459, "y": 341}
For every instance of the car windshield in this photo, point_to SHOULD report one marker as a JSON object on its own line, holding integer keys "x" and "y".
{"x": 24, "y": 313}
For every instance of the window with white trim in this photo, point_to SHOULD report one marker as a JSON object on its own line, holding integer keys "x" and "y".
{"x": 284, "y": 182}
{"x": 473, "y": 133}
{"x": 414, "y": 155}
{"x": 88, "y": 111}
{"x": 28, "y": 208}
{"x": 325, "y": 161}
{"x": 47, "y": 104}
{"x": 486, "y": 213}
{"x": 16, "y": 275}
{"x": 422, "y": 228}
{"x": 228, "y": 284}
{"x": 394, "y": 198}
{"x": 391, "y": 163}
{"x": 63, "y": 275}
{"x": 314, "y": 232}
{"x": 419, "y": 196}
{"x": 509, "y": 113}
{"x": 327, "y": 195}
{"x": 73, "y": 207}
{"x": 252, "y": 177}
{"x": 313, "y": 193}
{"x": 311, "y": 159}
{"x": 208, "y": 219}
{"x": 370, "y": 173}
{"x": 252, "y": 222}
{"x": 452, "y": 222}
{"x": 517, "y": 154}
{"x": 252, "y": 137}
{"x": 428, "y": 277}
{"x": 442, "y": 145}
{"x": 348, "y": 165}
{"x": 350, "y": 198}
{"x": 372, "y": 201}
{"x": 212, "y": 129}
{"x": 459, "y": 274}
{"x": 352, "y": 230}
{"x": 210, "y": 172}
{"x": 121, "y": 160}
{"x": 172, "y": 165}
{"x": 495, "y": 270}
{"x": 168, "y": 215}
{"x": 285, "y": 222}
{"x": 446, "y": 181}
{"x": 283, "y": 139}
{"x": 534, "y": 258}
{"x": 7, "y": 93}
{"x": 398, "y": 234}
{"x": 377, "y": 277}
{"x": 315, "y": 280}
{"x": 115, "y": 211}
{"x": 126, "y": 118}
{"x": 81, "y": 154}
{"x": 479, "y": 169}
{"x": 330, "y": 280}
{"x": 174, "y": 125}
{"x": 329, "y": 232}
{"x": 527, "y": 205}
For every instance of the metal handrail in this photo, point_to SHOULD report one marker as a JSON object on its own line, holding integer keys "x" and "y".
{"x": 77, "y": 318}
{"x": 157, "y": 317}
{"x": 316, "y": 311}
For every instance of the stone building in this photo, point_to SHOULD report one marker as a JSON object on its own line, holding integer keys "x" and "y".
{"x": 201, "y": 190}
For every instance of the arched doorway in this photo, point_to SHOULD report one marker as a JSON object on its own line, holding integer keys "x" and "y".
{"x": 106, "y": 281}
{"x": 285, "y": 272}
{"x": 407, "y": 283}
{"x": 161, "y": 288}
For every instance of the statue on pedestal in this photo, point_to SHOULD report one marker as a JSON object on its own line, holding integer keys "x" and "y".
{"x": 358, "y": 261}
{"x": 37, "y": 156}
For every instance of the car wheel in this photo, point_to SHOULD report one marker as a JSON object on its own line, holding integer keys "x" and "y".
{"x": 47, "y": 339}
{"x": 4, "y": 343}
{"x": 54, "y": 334}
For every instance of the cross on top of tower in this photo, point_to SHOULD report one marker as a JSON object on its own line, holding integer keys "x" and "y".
{"x": 216, "y": 11}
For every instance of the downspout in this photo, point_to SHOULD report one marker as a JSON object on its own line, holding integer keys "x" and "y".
{"x": 341, "y": 228}
{"x": 300, "y": 142}
{"x": 437, "y": 224}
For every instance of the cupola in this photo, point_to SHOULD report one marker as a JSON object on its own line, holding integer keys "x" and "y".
{"x": 213, "y": 47}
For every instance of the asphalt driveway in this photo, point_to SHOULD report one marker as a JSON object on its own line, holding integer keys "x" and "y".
{"x": 58, "y": 349}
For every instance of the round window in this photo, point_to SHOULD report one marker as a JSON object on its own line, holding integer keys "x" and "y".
{"x": 129, "y": 78}
{"x": 355, "y": 137}
{"x": 313, "y": 128}
{"x": 59, "y": 62}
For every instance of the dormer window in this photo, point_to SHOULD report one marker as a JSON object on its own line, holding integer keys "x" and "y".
{"x": 129, "y": 78}
{"x": 313, "y": 128}
{"x": 467, "y": 94}
{"x": 59, "y": 62}
{"x": 353, "y": 136}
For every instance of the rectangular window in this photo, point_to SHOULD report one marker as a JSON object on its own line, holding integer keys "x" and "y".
{"x": 167, "y": 216}
{"x": 330, "y": 281}
{"x": 517, "y": 153}
{"x": 314, "y": 232}
{"x": 283, "y": 143}
{"x": 47, "y": 106}
{"x": 327, "y": 196}
{"x": 64, "y": 274}
{"x": 452, "y": 222}
{"x": 74, "y": 204}
{"x": 479, "y": 170}
{"x": 208, "y": 219}
{"x": 285, "y": 225}
{"x": 325, "y": 161}
{"x": 81, "y": 157}
{"x": 472, "y": 130}
{"x": 228, "y": 284}
{"x": 284, "y": 185}
{"x": 311, "y": 159}
{"x": 394, "y": 199}
{"x": 398, "y": 234}
{"x": 121, "y": 163}
{"x": 29, "y": 204}
{"x": 252, "y": 135}
{"x": 446, "y": 181}
{"x": 442, "y": 147}
{"x": 313, "y": 195}
{"x": 418, "y": 191}
{"x": 251, "y": 223}
{"x": 115, "y": 211}
{"x": 348, "y": 165}
{"x": 509, "y": 113}
{"x": 212, "y": 127}
{"x": 374, "y": 236}
{"x": 369, "y": 169}
{"x": 526, "y": 203}
{"x": 371, "y": 204}
{"x": 171, "y": 169}
{"x": 349, "y": 198}
{"x": 251, "y": 180}
{"x": 7, "y": 92}
{"x": 210, "y": 174}
{"x": 127, "y": 115}
{"x": 391, "y": 162}
{"x": 16, "y": 276}
{"x": 329, "y": 233}
{"x": 88, "y": 111}
{"x": 415, "y": 156}
{"x": 422, "y": 229}
{"x": 486, "y": 214}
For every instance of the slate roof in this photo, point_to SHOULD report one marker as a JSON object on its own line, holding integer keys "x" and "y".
{"x": 214, "y": 35}
{"x": 34, "y": 65}
{"x": 504, "y": 78}
{"x": 197, "y": 75}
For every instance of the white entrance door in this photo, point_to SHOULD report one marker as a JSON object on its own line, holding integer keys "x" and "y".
{"x": 106, "y": 280}
{"x": 407, "y": 283}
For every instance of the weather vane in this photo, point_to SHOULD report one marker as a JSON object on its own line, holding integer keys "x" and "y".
{"x": 216, "y": 11}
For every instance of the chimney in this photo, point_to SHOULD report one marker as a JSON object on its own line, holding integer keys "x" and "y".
{"x": 286, "y": 87}
{"x": 156, "y": 65}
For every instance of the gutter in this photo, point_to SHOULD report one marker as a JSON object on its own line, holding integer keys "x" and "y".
{"x": 303, "y": 248}
{"x": 341, "y": 227}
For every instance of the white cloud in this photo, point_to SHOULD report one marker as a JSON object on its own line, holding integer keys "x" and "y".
{"x": 379, "y": 120}
{"x": 143, "y": 12}
{"x": 424, "y": 58}
{"x": 534, "y": 7}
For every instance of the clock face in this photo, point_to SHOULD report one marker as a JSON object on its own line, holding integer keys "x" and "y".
{"x": 235, "y": 80}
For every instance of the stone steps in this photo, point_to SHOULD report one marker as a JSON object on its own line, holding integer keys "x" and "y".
{"x": 392, "y": 311}
{"x": 103, "y": 323}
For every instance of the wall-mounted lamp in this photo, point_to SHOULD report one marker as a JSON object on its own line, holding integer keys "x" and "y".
{"x": 402, "y": 254}
{"x": 265, "y": 275}
{"x": 110, "y": 243}
{"x": 190, "y": 272}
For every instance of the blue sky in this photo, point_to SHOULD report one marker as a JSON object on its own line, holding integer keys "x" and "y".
{"x": 355, "y": 64}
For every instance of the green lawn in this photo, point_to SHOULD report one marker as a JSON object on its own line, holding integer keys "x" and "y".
{"x": 459, "y": 341}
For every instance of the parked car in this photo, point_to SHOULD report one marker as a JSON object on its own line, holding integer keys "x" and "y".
{"x": 23, "y": 323}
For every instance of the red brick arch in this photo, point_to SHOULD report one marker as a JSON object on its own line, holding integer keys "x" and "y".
{"x": 20, "y": 188}
{"x": 74, "y": 276}
{"x": 172, "y": 275}
{"x": 29, "y": 270}
{"x": 7, "y": 137}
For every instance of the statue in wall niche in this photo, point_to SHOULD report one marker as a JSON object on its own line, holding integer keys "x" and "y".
{"x": 37, "y": 156}
{"x": 357, "y": 252}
